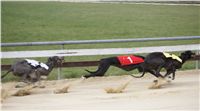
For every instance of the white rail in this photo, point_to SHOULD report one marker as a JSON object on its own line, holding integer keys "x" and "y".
{"x": 89, "y": 52}
{"x": 100, "y": 41}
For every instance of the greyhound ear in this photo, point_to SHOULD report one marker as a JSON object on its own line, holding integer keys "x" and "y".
{"x": 188, "y": 52}
{"x": 50, "y": 59}
{"x": 61, "y": 57}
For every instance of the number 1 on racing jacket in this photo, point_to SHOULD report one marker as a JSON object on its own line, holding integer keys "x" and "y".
{"x": 128, "y": 60}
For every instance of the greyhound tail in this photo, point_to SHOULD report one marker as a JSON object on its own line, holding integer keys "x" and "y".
{"x": 89, "y": 71}
{"x": 138, "y": 76}
{"x": 6, "y": 73}
{"x": 140, "y": 69}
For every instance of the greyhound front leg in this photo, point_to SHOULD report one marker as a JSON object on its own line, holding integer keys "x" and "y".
{"x": 173, "y": 74}
{"x": 169, "y": 71}
{"x": 158, "y": 72}
{"x": 40, "y": 85}
{"x": 23, "y": 83}
{"x": 24, "y": 78}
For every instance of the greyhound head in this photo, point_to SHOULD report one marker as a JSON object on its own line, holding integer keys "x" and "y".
{"x": 57, "y": 61}
{"x": 187, "y": 55}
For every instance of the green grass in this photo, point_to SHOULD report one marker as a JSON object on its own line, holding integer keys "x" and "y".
{"x": 59, "y": 21}
{"x": 53, "y": 21}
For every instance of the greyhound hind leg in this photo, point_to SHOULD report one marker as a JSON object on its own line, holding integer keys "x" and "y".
{"x": 103, "y": 67}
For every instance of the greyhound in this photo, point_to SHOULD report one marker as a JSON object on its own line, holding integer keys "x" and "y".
{"x": 126, "y": 63}
{"x": 31, "y": 70}
{"x": 155, "y": 61}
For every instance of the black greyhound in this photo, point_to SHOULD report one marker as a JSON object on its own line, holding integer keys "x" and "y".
{"x": 31, "y": 70}
{"x": 126, "y": 63}
{"x": 155, "y": 61}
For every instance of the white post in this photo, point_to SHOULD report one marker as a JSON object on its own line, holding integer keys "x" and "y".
{"x": 59, "y": 76}
{"x": 59, "y": 73}
{"x": 197, "y": 62}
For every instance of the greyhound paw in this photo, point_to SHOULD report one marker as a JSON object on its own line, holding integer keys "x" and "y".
{"x": 82, "y": 77}
{"x": 156, "y": 84}
{"x": 155, "y": 81}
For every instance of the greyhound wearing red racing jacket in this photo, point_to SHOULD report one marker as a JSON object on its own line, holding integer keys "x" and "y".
{"x": 126, "y": 63}
{"x": 153, "y": 64}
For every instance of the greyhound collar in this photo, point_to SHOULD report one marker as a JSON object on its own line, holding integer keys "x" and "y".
{"x": 167, "y": 55}
{"x": 35, "y": 63}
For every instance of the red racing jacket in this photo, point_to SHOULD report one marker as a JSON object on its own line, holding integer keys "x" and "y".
{"x": 128, "y": 60}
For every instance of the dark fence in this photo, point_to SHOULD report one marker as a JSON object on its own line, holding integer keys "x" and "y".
{"x": 84, "y": 63}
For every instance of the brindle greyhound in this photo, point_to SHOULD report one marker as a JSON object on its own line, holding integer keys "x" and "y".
{"x": 32, "y": 73}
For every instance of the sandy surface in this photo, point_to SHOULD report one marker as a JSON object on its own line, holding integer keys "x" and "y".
{"x": 180, "y": 94}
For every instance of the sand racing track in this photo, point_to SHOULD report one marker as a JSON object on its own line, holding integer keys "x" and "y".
{"x": 180, "y": 94}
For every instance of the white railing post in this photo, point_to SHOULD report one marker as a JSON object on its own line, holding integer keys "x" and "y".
{"x": 197, "y": 61}
{"x": 59, "y": 75}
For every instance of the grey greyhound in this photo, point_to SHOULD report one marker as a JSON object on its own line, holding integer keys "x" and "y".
{"x": 31, "y": 72}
